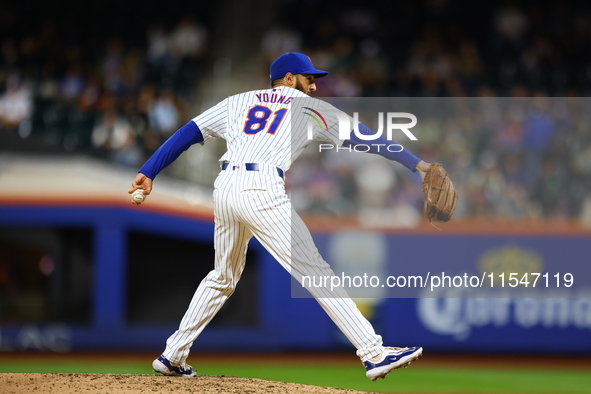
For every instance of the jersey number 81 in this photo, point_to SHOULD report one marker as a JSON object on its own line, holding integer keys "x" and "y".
{"x": 258, "y": 117}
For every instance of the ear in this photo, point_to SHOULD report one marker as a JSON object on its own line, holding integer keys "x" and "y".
{"x": 290, "y": 80}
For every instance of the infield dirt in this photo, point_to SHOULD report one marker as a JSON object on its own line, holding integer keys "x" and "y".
{"x": 17, "y": 383}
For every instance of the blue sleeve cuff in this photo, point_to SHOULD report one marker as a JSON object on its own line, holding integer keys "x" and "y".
{"x": 172, "y": 148}
{"x": 381, "y": 146}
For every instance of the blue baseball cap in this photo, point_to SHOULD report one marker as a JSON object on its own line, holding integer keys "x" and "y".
{"x": 295, "y": 63}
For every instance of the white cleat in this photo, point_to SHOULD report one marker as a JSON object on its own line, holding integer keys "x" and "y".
{"x": 392, "y": 358}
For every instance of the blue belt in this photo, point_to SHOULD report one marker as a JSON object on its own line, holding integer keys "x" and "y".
{"x": 250, "y": 167}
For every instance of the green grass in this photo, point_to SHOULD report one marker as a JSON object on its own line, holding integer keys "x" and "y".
{"x": 417, "y": 380}
{"x": 427, "y": 380}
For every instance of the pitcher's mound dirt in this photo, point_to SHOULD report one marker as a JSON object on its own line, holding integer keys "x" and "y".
{"x": 68, "y": 383}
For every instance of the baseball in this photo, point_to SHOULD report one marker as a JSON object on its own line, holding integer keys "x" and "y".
{"x": 138, "y": 196}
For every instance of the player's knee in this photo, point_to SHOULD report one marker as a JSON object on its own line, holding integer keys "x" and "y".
{"x": 222, "y": 281}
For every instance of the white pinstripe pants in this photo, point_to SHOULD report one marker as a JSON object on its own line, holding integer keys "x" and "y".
{"x": 248, "y": 203}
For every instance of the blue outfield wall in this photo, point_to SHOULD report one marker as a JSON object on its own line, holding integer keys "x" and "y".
{"x": 446, "y": 320}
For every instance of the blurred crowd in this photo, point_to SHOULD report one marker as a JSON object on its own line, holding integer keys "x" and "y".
{"x": 528, "y": 161}
{"x": 525, "y": 158}
{"x": 444, "y": 48}
{"x": 531, "y": 160}
{"x": 118, "y": 103}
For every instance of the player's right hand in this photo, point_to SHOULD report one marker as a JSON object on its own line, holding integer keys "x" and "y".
{"x": 141, "y": 182}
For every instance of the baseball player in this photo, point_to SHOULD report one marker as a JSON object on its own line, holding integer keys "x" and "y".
{"x": 265, "y": 133}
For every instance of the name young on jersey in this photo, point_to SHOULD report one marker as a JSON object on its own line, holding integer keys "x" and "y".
{"x": 273, "y": 98}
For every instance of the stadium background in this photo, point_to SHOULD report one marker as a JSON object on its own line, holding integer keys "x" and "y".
{"x": 88, "y": 91}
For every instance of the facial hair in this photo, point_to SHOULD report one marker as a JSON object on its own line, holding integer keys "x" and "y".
{"x": 300, "y": 87}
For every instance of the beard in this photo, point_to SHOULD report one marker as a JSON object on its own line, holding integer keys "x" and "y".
{"x": 300, "y": 87}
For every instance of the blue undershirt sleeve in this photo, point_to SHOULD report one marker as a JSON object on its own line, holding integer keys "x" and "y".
{"x": 172, "y": 148}
{"x": 379, "y": 146}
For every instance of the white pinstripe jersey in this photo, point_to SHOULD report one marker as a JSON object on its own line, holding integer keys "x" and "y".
{"x": 268, "y": 126}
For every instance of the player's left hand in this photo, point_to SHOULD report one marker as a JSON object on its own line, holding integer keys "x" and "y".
{"x": 141, "y": 181}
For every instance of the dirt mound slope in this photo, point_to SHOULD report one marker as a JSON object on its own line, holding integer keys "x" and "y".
{"x": 68, "y": 383}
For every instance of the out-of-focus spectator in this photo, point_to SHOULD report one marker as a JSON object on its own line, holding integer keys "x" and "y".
{"x": 16, "y": 107}
{"x": 375, "y": 180}
{"x": 158, "y": 45}
{"x": 538, "y": 133}
{"x": 115, "y": 136}
{"x": 90, "y": 96}
{"x": 360, "y": 20}
{"x": 470, "y": 66}
{"x": 510, "y": 23}
{"x": 278, "y": 40}
{"x": 72, "y": 84}
{"x": 188, "y": 39}
{"x": 163, "y": 114}
{"x": 9, "y": 54}
{"x": 343, "y": 85}
{"x": 111, "y": 66}
{"x": 343, "y": 55}
{"x": 372, "y": 68}
{"x": 549, "y": 188}
{"x": 188, "y": 45}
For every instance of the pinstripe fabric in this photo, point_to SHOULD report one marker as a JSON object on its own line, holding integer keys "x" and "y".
{"x": 227, "y": 120}
{"x": 254, "y": 203}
